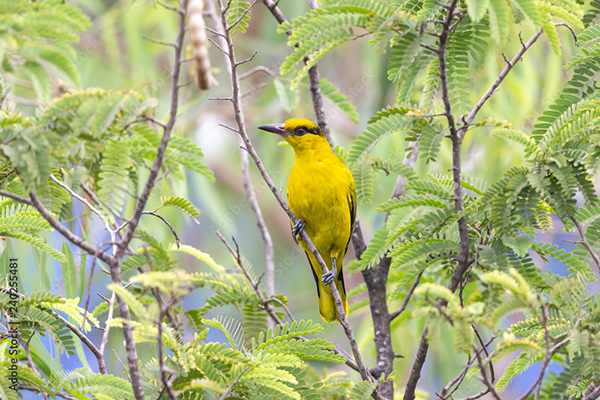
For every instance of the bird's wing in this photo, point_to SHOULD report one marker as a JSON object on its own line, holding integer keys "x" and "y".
{"x": 351, "y": 208}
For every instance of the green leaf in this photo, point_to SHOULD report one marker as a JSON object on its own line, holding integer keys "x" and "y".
{"x": 520, "y": 244}
{"x": 289, "y": 98}
{"x": 237, "y": 13}
{"x": 200, "y": 255}
{"x": 183, "y": 204}
{"x": 363, "y": 390}
{"x": 499, "y": 20}
{"x": 530, "y": 9}
{"x": 477, "y": 8}
{"x": 69, "y": 273}
{"x": 39, "y": 244}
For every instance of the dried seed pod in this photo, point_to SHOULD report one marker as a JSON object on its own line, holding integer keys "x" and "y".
{"x": 198, "y": 39}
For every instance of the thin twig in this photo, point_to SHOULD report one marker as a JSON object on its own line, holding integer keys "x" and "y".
{"x": 239, "y": 118}
{"x": 491, "y": 90}
{"x": 242, "y": 16}
{"x": 254, "y": 70}
{"x": 160, "y": 42}
{"x": 173, "y": 231}
{"x": 410, "y": 292}
{"x": 486, "y": 381}
{"x": 99, "y": 356}
{"x": 122, "y": 365}
{"x": 161, "y": 362}
{"x": 569, "y": 28}
{"x": 115, "y": 267}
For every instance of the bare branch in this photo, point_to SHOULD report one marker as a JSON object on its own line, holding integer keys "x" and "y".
{"x": 265, "y": 302}
{"x": 238, "y": 113}
{"x": 70, "y": 236}
{"x": 569, "y": 28}
{"x": 497, "y": 82}
{"x": 99, "y": 356}
{"x": 177, "y": 241}
{"x": 115, "y": 266}
{"x": 247, "y": 60}
{"x": 486, "y": 381}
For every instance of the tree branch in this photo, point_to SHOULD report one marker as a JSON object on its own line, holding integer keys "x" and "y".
{"x": 239, "y": 118}
{"x": 70, "y": 236}
{"x": 115, "y": 266}
{"x": 250, "y": 192}
{"x": 407, "y": 297}
{"x": 509, "y": 65}
{"x": 547, "y": 356}
{"x": 462, "y": 266}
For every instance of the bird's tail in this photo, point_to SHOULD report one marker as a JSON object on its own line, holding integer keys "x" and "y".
{"x": 327, "y": 306}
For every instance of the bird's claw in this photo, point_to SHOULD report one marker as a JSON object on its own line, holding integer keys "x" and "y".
{"x": 297, "y": 229}
{"x": 328, "y": 277}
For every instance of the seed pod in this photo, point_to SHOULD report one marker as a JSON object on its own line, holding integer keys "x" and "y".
{"x": 198, "y": 39}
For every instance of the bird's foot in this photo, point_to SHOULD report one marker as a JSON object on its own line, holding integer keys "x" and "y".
{"x": 328, "y": 277}
{"x": 297, "y": 229}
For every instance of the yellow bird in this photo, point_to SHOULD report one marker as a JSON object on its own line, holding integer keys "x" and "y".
{"x": 322, "y": 195}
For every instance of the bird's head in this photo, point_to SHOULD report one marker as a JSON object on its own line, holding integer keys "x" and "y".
{"x": 300, "y": 133}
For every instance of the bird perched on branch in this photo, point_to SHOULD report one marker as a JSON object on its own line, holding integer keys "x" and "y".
{"x": 322, "y": 195}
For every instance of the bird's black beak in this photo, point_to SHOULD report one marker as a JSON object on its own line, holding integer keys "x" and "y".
{"x": 274, "y": 128}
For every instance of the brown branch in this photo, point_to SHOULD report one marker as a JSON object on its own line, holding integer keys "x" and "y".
{"x": 484, "y": 376}
{"x": 446, "y": 392}
{"x": 173, "y": 231}
{"x": 250, "y": 192}
{"x": 462, "y": 266}
{"x": 70, "y": 236}
{"x": 99, "y": 355}
{"x": 37, "y": 390}
{"x": 265, "y": 302}
{"x": 226, "y": 393}
{"x": 492, "y": 89}
{"x": 167, "y": 381}
{"x": 239, "y": 118}
{"x": 115, "y": 266}
{"x": 254, "y": 70}
{"x": 593, "y": 395}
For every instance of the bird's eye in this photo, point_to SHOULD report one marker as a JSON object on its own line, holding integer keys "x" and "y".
{"x": 300, "y": 131}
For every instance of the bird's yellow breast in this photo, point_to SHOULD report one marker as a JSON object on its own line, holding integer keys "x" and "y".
{"x": 320, "y": 191}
